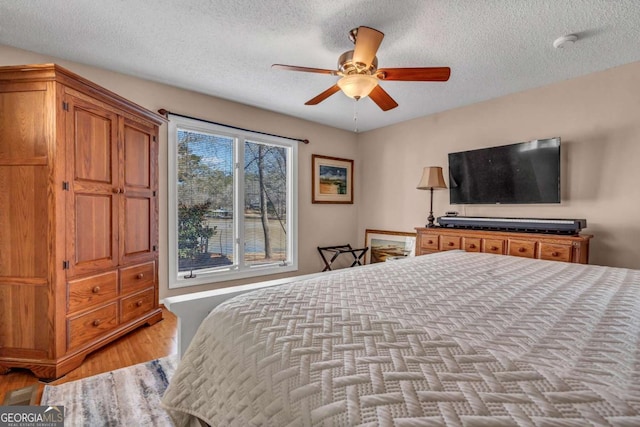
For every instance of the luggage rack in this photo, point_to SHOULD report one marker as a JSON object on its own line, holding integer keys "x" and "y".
{"x": 358, "y": 254}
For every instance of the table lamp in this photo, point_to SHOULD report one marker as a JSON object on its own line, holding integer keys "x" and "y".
{"x": 432, "y": 179}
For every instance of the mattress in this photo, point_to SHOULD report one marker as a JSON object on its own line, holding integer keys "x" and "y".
{"x": 448, "y": 339}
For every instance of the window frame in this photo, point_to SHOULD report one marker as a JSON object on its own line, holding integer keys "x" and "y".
{"x": 239, "y": 270}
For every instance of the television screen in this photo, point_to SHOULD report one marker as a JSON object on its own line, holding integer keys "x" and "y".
{"x": 527, "y": 172}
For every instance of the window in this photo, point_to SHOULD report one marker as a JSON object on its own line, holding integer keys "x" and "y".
{"x": 232, "y": 203}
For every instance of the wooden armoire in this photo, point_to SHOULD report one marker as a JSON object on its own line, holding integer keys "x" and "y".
{"x": 78, "y": 218}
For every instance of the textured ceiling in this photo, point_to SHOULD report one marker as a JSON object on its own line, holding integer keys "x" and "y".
{"x": 226, "y": 48}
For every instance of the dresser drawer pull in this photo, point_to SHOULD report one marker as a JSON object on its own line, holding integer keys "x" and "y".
{"x": 96, "y": 322}
{"x": 554, "y": 254}
{"x": 521, "y": 249}
{"x": 140, "y": 276}
{"x": 430, "y": 241}
{"x": 450, "y": 243}
{"x": 472, "y": 246}
{"x": 494, "y": 248}
{"x": 96, "y": 289}
{"x": 139, "y": 303}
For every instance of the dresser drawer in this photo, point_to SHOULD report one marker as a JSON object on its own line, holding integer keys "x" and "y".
{"x": 136, "y": 305}
{"x": 448, "y": 243}
{"x": 471, "y": 244}
{"x": 522, "y": 248}
{"x": 91, "y": 291}
{"x": 493, "y": 246}
{"x": 429, "y": 242}
{"x": 553, "y": 252}
{"x": 85, "y": 328}
{"x": 137, "y": 277}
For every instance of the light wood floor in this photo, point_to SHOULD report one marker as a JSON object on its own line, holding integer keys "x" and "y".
{"x": 141, "y": 345}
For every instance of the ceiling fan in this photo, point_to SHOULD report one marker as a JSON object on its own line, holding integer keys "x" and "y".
{"x": 360, "y": 75}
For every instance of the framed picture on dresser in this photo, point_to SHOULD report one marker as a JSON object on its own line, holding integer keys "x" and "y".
{"x": 387, "y": 245}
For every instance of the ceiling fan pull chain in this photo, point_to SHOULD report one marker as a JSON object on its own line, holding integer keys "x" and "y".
{"x": 355, "y": 115}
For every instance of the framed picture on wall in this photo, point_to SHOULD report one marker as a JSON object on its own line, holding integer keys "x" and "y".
{"x": 384, "y": 245}
{"x": 332, "y": 180}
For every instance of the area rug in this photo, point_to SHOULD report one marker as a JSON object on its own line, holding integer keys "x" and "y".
{"x": 125, "y": 397}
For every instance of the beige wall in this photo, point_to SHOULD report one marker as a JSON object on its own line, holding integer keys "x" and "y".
{"x": 318, "y": 224}
{"x": 598, "y": 118}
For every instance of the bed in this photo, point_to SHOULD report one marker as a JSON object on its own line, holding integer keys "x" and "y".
{"x": 448, "y": 339}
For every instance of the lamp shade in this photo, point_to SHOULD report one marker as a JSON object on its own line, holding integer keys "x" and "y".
{"x": 431, "y": 179}
{"x": 357, "y": 85}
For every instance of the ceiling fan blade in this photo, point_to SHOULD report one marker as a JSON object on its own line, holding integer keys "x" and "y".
{"x": 367, "y": 43}
{"x": 324, "y": 95}
{"x": 382, "y": 99}
{"x": 305, "y": 69}
{"x": 421, "y": 74}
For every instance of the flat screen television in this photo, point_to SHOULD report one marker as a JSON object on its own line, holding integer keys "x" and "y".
{"x": 526, "y": 172}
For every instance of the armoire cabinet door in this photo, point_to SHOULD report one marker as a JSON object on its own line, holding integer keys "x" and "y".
{"x": 92, "y": 171}
{"x": 139, "y": 210}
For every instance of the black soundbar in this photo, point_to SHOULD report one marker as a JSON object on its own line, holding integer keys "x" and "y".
{"x": 530, "y": 225}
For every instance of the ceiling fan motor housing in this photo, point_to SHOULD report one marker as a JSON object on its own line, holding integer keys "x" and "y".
{"x": 347, "y": 66}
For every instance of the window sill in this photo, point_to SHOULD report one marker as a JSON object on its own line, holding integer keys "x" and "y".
{"x": 207, "y": 278}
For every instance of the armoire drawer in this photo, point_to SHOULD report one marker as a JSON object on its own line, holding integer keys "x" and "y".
{"x": 85, "y": 328}
{"x": 91, "y": 291}
{"x": 137, "y": 277}
{"x": 136, "y": 305}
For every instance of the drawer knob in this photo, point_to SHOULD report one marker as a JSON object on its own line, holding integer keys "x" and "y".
{"x": 95, "y": 289}
{"x": 521, "y": 249}
{"x": 429, "y": 241}
{"x": 140, "y": 275}
{"x": 472, "y": 246}
{"x": 96, "y": 322}
{"x": 139, "y": 303}
{"x": 494, "y": 248}
{"x": 450, "y": 243}
{"x": 116, "y": 190}
{"x": 554, "y": 254}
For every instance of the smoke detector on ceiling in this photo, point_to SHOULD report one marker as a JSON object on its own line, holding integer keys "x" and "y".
{"x": 565, "y": 41}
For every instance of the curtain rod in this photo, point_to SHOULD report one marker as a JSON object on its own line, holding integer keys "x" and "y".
{"x": 164, "y": 112}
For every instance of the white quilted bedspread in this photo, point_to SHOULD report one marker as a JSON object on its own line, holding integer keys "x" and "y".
{"x": 449, "y": 339}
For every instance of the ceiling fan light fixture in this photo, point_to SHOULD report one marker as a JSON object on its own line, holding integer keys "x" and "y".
{"x": 357, "y": 86}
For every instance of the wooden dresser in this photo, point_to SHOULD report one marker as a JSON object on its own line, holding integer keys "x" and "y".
{"x": 78, "y": 218}
{"x": 542, "y": 246}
